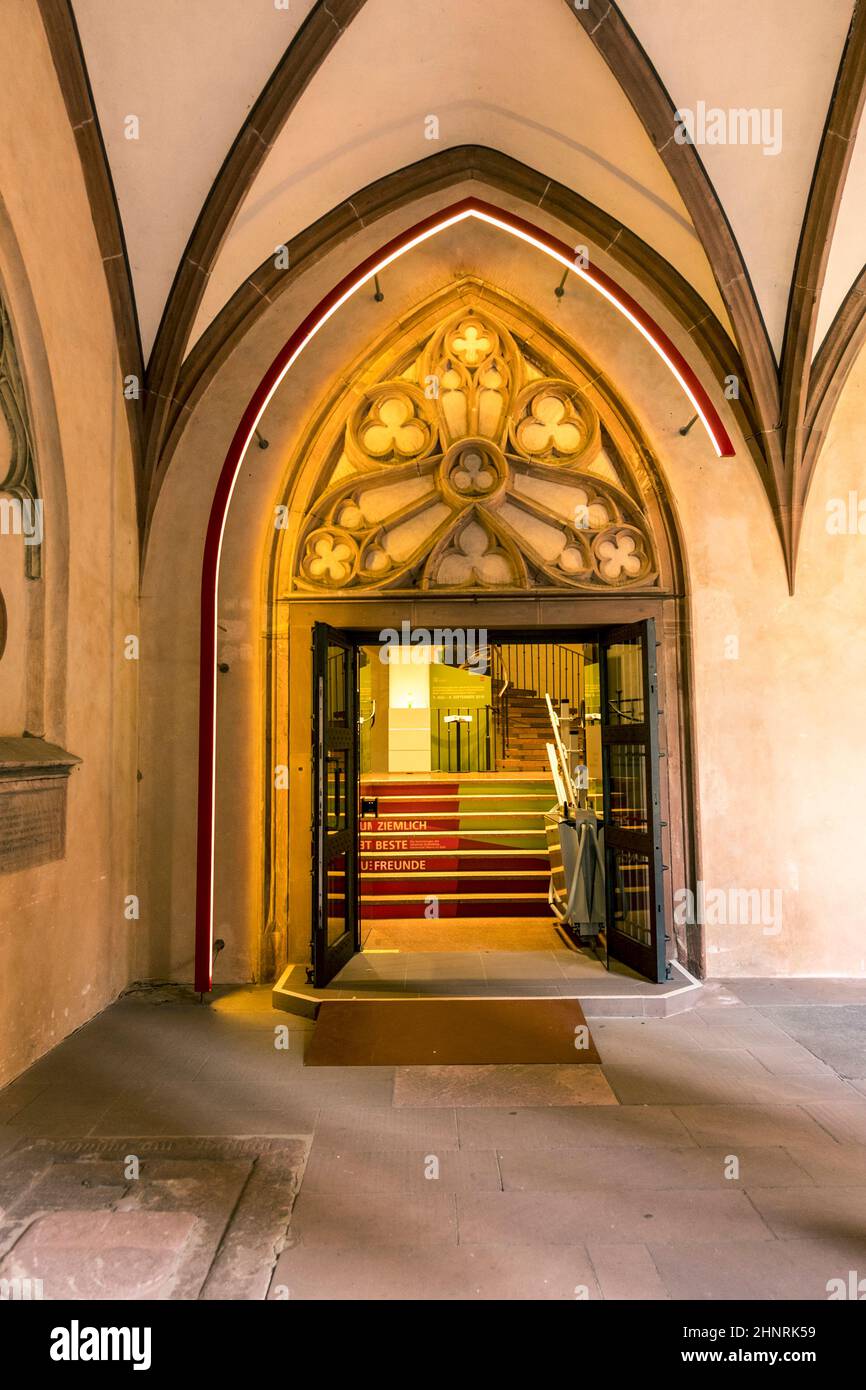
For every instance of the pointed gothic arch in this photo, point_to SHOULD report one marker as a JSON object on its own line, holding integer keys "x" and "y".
{"x": 483, "y": 453}
{"x": 270, "y": 383}
{"x": 471, "y": 461}
{"x": 167, "y": 394}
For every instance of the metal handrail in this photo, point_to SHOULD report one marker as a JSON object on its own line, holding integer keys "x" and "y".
{"x": 562, "y": 758}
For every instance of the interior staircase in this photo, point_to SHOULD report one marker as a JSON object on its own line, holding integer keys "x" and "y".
{"x": 464, "y": 847}
{"x": 527, "y": 733}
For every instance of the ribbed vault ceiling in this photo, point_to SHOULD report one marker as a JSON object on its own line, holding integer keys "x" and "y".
{"x": 514, "y": 76}
{"x": 257, "y": 120}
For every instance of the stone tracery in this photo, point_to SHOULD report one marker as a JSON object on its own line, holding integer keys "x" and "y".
{"x": 479, "y": 466}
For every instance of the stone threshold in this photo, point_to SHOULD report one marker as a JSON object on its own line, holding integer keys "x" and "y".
{"x": 610, "y": 997}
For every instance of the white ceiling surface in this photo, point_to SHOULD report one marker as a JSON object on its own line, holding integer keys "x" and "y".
{"x": 848, "y": 251}
{"x": 523, "y": 79}
{"x": 190, "y": 70}
{"x": 776, "y": 54}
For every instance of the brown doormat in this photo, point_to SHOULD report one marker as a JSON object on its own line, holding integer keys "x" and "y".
{"x": 449, "y": 1032}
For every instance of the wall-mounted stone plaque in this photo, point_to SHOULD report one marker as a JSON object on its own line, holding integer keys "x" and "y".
{"x": 33, "y": 780}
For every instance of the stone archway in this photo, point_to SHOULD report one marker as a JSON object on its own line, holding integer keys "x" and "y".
{"x": 472, "y": 462}
{"x": 468, "y": 211}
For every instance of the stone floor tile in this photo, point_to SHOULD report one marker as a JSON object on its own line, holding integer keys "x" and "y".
{"x": 748, "y": 1126}
{"x": 10, "y": 1138}
{"x": 14, "y": 1098}
{"x": 682, "y": 1085}
{"x": 502, "y": 1086}
{"x": 626, "y": 1272}
{"x": 818, "y": 990}
{"x": 829, "y": 1163}
{"x": 381, "y": 1218}
{"x": 287, "y": 1077}
{"x": 368, "y": 1129}
{"x": 435, "y": 1272}
{"x": 632, "y": 1169}
{"x": 845, "y": 1119}
{"x": 761, "y": 991}
{"x": 515, "y": 1218}
{"x": 799, "y": 1089}
{"x": 167, "y": 1112}
{"x": 770, "y": 1271}
{"x": 814, "y": 1213}
{"x": 571, "y": 1127}
{"x": 789, "y": 1059}
{"x": 642, "y": 1182}
{"x": 834, "y": 1033}
{"x": 403, "y": 1171}
{"x": 108, "y": 1255}
{"x": 733, "y": 1028}
{"x": 62, "y": 1110}
{"x": 242, "y": 1266}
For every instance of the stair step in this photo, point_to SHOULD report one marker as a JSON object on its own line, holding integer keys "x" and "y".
{"x": 494, "y": 906}
{"x": 466, "y": 886}
{"x": 469, "y": 832}
{"x": 444, "y": 860}
{"x": 451, "y": 836}
{"x": 481, "y": 814}
{"x": 395, "y": 802}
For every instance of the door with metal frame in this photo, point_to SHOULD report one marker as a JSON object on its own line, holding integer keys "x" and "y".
{"x": 335, "y": 802}
{"x": 635, "y": 931}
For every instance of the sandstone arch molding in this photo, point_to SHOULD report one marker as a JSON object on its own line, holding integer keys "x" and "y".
{"x": 304, "y": 334}
{"x": 506, "y": 375}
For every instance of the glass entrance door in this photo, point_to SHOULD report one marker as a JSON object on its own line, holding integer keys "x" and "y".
{"x": 632, "y": 825}
{"x": 335, "y": 802}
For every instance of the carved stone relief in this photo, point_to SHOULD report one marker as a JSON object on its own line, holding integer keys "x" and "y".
{"x": 478, "y": 467}
{"x": 17, "y": 456}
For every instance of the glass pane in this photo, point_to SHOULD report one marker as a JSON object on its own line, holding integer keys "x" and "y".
{"x": 335, "y": 686}
{"x": 628, "y": 786}
{"x": 625, "y": 683}
{"x": 460, "y": 739}
{"x": 336, "y": 788}
{"x": 632, "y": 901}
{"x": 592, "y": 739}
{"x": 366, "y": 711}
{"x": 335, "y": 904}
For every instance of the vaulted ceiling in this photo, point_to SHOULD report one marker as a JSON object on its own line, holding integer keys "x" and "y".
{"x": 218, "y": 130}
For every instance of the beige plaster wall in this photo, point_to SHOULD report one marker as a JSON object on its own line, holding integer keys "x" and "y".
{"x": 522, "y": 78}
{"x": 138, "y": 61}
{"x": 66, "y": 948}
{"x": 777, "y": 774}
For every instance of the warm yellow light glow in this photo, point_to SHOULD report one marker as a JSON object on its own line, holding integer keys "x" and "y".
{"x": 352, "y": 289}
